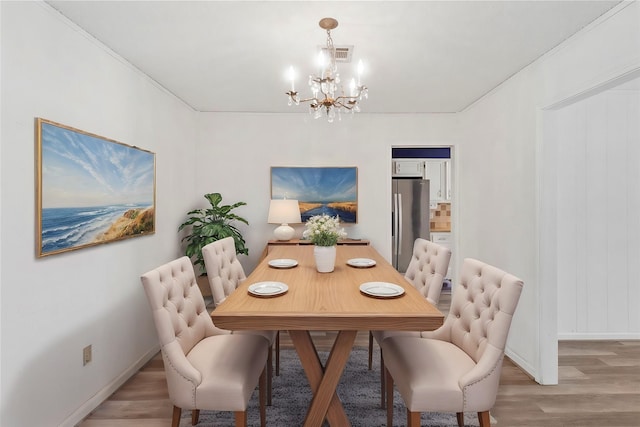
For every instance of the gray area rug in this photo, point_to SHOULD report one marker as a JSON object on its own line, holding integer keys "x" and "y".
{"x": 359, "y": 391}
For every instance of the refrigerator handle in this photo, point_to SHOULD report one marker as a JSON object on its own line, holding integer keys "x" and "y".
{"x": 399, "y": 223}
{"x": 395, "y": 223}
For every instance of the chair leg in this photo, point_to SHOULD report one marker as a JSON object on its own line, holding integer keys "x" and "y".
{"x": 261, "y": 396}
{"x": 413, "y": 419}
{"x": 195, "y": 416}
{"x": 370, "y": 350}
{"x": 269, "y": 375}
{"x": 382, "y": 386}
{"x": 484, "y": 419}
{"x": 389, "y": 385}
{"x": 175, "y": 420}
{"x": 241, "y": 418}
{"x": 278, "y": 354}
{"x": 460, "y": 418}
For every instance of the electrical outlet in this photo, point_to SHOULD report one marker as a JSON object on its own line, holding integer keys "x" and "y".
{"x": 86, "y": 355}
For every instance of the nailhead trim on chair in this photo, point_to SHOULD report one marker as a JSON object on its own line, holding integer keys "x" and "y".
{"x": 166, "y": 360}
{"x": 464, "y": 390}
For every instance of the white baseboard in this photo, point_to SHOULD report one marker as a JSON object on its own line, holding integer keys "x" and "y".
{"x": 522, "y": 364}
{"x": 586, "y": 336}
{"x": 103, "y": 394}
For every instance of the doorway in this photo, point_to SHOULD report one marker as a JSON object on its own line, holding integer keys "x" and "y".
{"x": 432, "y": 219}
{"x": 588, "y": 218}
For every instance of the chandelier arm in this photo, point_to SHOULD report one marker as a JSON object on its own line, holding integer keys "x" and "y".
{"x": 348, "y": 98}
{"x": 294, "y": 98}
{"x": 341, "y": 105}
{"x": 309, "y": 99}
{"x": 353, "y": 97}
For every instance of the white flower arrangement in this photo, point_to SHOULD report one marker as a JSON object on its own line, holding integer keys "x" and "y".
{"x": 324, "y": 230}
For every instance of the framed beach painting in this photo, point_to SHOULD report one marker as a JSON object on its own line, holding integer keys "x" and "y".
{"x": 319, "y": 190}
{"x": 90, "y": 189}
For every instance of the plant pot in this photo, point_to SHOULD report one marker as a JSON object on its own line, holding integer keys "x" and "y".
{"x": 203, "y": 284}
{"x": 325, "y": 257}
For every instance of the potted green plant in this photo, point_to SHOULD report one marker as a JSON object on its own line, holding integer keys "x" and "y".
{"x": 211, "y": 224}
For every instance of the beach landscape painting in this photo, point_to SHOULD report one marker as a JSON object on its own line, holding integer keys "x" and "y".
{"x": 90, "y": 189}
{"x": 319, "y": 190}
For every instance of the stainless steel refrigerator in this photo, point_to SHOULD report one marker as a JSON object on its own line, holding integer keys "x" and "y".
{"x": 410, "y": 217}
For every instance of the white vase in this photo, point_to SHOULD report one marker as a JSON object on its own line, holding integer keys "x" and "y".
{"x": 325, "y": 257}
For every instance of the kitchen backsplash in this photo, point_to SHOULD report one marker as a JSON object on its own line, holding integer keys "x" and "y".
{"x": 440, "y": 218}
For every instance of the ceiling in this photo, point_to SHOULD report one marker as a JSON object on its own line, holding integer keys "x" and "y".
{"x": 419, "y": 56}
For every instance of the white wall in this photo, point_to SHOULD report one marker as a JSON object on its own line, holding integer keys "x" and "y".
{"x": 53, "y": 307}
{"x": 598, "y": 200}
{"x": 497, "y": 197}
{"x": 506, "y": 198}
{"x": 236, "y": 152}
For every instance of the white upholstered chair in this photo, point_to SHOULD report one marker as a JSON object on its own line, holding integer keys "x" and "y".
{"x": 426, "y": 272}
{"x": 225, "y": 273}
{"x": 456, "y": 368}
{"x": 206, "y": 367}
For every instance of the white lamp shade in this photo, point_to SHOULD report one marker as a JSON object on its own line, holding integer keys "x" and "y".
{"x": 284, "y": 212}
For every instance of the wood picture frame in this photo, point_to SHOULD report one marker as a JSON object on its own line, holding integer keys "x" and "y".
{"x": 90, "y": 189}
{"x": 319, "y": 190}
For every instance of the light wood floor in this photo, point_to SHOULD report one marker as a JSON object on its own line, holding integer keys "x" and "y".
{"x": 599, "y": 386}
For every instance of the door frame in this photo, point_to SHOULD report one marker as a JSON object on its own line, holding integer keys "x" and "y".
{"x": 547, "y": 167}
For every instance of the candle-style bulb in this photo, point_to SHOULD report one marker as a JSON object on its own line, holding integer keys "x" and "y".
{"x": 292, "y": 75}
{"x": 321, "y": 64}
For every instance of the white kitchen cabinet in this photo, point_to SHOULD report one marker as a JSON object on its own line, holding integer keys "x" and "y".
{"x": 434, "y": 172}
{"x": 447, "y": 180}
{"x": 438, "y": 172}
{"x": 408, "y": 167}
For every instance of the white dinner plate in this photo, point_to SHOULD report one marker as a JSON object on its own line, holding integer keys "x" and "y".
{"x": 381, "y": 289}
{"x": 268, "y": 289}
{"x": 283, "y": 263}
{"x": 361, "y": 262}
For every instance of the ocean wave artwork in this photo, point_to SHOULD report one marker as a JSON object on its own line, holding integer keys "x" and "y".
{"x": 91, "y": 190}
{"x": 64, "y": 228}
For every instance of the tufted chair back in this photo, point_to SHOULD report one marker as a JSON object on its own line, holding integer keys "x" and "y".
{"x": 181, "y": 319}
{"x": 224, "y": 270}
{"x": 482, "y": 307}
{"x": 428, "y": 268}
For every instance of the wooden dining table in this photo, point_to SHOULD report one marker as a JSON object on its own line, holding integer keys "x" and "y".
{"x": 325, "y": 302}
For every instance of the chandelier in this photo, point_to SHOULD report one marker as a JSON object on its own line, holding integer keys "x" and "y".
{"x": 327, "y": 91}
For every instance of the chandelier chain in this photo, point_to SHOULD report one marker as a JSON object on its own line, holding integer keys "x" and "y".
{"x": 332, "y": 51}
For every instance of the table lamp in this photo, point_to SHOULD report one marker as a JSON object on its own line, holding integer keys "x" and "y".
{"x": 284, "y": 212}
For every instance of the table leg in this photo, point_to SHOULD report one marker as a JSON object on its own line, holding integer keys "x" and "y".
{"x": 323, "y": 382}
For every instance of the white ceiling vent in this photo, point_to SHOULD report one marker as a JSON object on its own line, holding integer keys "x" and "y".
{"x": 343, "y": 53}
